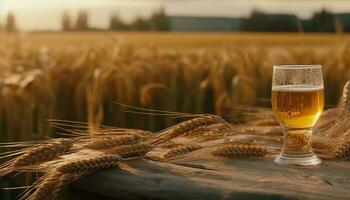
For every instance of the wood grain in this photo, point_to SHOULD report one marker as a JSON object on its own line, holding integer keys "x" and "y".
{"x": 216, "y": 178}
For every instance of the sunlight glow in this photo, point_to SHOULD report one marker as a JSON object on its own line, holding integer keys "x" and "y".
{"x": 46, "y": 14}
{"x": 30, "y": 13}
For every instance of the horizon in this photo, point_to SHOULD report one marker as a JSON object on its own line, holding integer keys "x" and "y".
{"x": 29, "y": 15}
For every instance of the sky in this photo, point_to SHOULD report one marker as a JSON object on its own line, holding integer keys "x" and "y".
{"x": 46, "y": 14}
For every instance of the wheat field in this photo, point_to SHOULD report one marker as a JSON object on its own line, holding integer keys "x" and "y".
{"x": 77, "y": 76}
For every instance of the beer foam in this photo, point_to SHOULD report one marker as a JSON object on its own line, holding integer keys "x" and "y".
{"x": 297, "y": 88}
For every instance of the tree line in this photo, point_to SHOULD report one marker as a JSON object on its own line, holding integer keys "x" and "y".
{"x": 158, "y": 21}
{"x": 322, "y": 21}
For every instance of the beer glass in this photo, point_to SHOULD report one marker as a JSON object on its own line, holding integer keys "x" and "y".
{"x": 297, "y": 101}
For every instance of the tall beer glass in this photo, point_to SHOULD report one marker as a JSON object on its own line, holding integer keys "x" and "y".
{"x": 297, "y": 101}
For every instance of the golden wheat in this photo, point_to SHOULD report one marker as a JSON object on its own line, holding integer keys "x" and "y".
{"x": 133, "y": 150}
{"x": 344, "y": 102}
{"x": 80, "y": 79}
{"x": 59, "y": 190}
{"x": 113, "y": 141}
{"x": 188, "y": 126}
{"x": 44, "y": 152}
{"x": 89, "y": 165}
{"x": 177, "y": 151}
{"x": 44, "y": 189}
{"x": 240, "y": 150}
{"x": 54, "y": 185}
{"x": 193, "y": 124}
{"x": 169, "y": 145}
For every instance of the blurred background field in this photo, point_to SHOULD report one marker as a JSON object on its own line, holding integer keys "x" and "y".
{"x": 78, "y": 75}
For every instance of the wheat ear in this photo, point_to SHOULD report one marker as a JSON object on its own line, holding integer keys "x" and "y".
{"x": 54, "y": 185}
{"x": 37, "y": 154}
{"x": 187, "y": 126}
{"x": 44, "y": 152}
{"x": 110, "y": 142}
{"x": 177, "y": 151}
{"x": 89, "y": 165}
{"x": 133, "y": 150}
{"x": 240, "y": 150}
{"x": 43, "y": 189}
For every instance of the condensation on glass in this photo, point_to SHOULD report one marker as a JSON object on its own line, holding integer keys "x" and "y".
{"x": 297, "y": 101}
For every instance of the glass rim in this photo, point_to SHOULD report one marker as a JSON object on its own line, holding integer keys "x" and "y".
{"x": 298, "y": 66}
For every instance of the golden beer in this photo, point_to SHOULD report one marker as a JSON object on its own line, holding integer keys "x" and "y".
{"x": 297, "y": 106}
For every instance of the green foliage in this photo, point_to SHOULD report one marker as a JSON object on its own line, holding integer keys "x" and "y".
{"x": 117, "y": 24}
{"x": 323, "y": 21}
{"x": 159, "y": 21}
{"x": 259, "y": 21}
{"x": 140, "y": 24}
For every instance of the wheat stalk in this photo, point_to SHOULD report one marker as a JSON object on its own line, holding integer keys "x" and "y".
{"x": 43, "y": 189}
{"x": 113, "y": 141}
{"x": 240, "y": 150}
{"x": 344, "y": 102}
{"x": 59, "y": 190}
{"x": 177, "y": 151}
{"x": 133, "y": 150}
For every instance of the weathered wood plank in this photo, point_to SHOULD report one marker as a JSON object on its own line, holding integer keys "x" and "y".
{"x": 206, "y": 177}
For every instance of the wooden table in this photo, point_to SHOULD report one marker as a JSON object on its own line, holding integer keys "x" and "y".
{"x": 208, "y": 177}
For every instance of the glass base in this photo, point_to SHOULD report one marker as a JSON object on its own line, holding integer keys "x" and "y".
{"x": 307, "y": 160}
